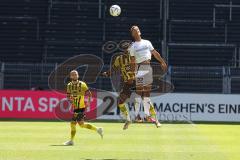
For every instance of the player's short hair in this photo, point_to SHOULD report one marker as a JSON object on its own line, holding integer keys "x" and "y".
{"x": 133, "y": 27}
{"x": 72, "y": 71}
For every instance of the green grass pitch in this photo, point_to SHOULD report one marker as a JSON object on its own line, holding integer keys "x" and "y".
{"x": 42, "y": 141}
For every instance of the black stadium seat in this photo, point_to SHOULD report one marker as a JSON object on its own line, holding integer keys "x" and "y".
{"x": 191, "y": 33}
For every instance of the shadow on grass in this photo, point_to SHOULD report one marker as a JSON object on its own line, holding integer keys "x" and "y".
{"x": 59, "y": 145}
{"x": 111, "y": 159}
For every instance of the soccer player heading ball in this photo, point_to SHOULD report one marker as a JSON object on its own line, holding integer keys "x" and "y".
{"x": 141, "y": 52}
{"x": 123, "y": 63}
{"x": 76, "y": 91}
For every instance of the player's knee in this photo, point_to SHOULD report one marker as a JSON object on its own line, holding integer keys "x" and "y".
{"x": 120, "y": 102}
{"x": 147, "y": 99}
{"x": 139, "y": 92}
{"x": 80, "y": 123}
{"x": 138, "y": 98}
{"x": 146, "y": 94}
{"x": 73, "y": 123}
{"x": 121, "y": 99}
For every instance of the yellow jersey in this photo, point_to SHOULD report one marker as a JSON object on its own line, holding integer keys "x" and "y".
{"x": 123, "y": 62}
{"x": 76, "y": 92}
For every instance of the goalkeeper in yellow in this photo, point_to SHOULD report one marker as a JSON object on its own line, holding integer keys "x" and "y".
{"x": 76, "y": 91}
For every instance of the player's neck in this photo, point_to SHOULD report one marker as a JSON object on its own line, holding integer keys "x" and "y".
{"x": 74, "y": 81}
{"x": 138, "y": 39}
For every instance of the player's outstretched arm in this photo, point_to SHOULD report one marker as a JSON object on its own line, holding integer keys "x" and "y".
{"x": 114, "y": 68}
{"x": 160, "y": 59}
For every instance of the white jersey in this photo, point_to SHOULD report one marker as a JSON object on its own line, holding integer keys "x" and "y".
{"x": 141, "y": 50}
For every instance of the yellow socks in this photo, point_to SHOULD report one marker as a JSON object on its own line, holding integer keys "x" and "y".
{"x": 152, "y": 110}
{"x": 153, "y": 113}
{"x": 123, "y": 109}
{"x": 84, "y": 125}
{"x": 88, "y": 126}
{"x": 73, "y": 130}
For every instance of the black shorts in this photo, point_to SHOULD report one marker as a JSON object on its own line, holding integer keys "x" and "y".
{"x": 79, "y": 114}
{"x": 127, "y": 89}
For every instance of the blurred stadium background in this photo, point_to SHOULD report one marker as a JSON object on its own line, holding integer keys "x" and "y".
{"x": 198, "y": 38}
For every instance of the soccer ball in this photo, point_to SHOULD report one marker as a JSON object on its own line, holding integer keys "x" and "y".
{"x": 115, "y": 10}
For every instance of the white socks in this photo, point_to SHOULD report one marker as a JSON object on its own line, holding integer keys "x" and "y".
{"x": 146, "y": 104}
{"x": 137, "y": 104}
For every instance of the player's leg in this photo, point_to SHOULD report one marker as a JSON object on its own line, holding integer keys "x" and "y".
{"x": 124, "y": 95}
{"x": 121, "y": 104}
{"x": 80, "y": 120}
{"x": 137, "y": 102}
{"x": 73, "y": 133}
{"x": 148, "y": 106}
{"x": 73, "y": 130}
{"x": 123, "y": 108}
{"x": 90, "y": 126}
{"x": 152, "y": 111}
{"x": 147, "y": 81}
{"x": 139, "y": 90}
{"x": 146, "y": 99}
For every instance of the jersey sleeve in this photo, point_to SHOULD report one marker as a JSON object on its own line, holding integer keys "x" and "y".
{"x": 150, "y": 46}
{"x": 68, "y": 88}
{"x": 116, "y": 63}
{"x": 84, "y": 87}
{"x": 131, "y": 51}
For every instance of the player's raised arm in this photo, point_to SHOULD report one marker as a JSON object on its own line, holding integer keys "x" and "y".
{"x": 114, "y": 67}
{"x": 160, "y": 60}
